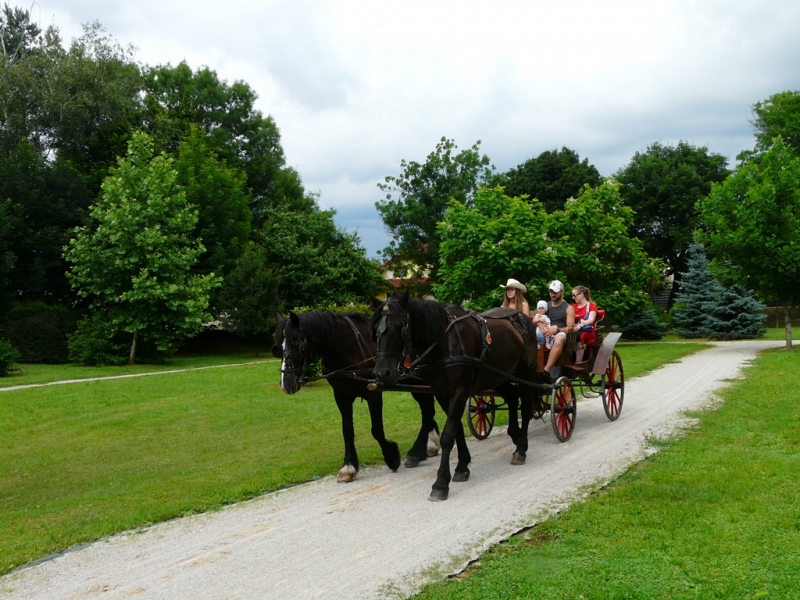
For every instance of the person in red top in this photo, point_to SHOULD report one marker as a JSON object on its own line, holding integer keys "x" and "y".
{"x": 585, "y": 317}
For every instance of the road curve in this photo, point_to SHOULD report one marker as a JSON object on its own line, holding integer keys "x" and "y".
{"x": 380, "y": 537}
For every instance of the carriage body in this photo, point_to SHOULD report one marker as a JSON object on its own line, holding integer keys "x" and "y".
{"x": 599, "y": 374}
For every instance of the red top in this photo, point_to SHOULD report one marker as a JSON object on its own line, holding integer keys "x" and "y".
{"x": 582, "y": 313}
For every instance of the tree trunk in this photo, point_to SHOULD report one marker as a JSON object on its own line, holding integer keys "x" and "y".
{"x": 132, "y": 356}
{"x": 787, "y": 319}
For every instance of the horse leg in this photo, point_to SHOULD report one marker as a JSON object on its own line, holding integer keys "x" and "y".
{"x": 517, "y": 435}
{"x": 453, "y": 432}
{"x": 427, "y": 442}
{"x": 350, "y": 464}
{"x": 390, "y": 449}
{"x": 527, "y": 399}
{"x": 464, "y": 457}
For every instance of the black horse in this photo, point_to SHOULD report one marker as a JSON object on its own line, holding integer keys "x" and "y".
{"x": 458, "y": 353}
{"x": 348, "y": 358}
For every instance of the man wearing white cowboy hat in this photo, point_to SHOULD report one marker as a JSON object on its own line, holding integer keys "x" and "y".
{"x": 515, "y": 296}
{"x": 562, "y": 319}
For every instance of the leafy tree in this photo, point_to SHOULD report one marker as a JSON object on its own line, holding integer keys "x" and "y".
{"x": 319, "y": 264}
{"x": 551, "y": 178}
{"x": 176, "y": 98}
{"x": 417, "y": 199}
{"x": 698, "y": 296}
{"x": 8, "y": 355}
{"x": 496, "y": 238}
{"x": 64, "y": 118}
{"x": 778, "y": 115}
{"x": 603, "y": 256}
{"x": 502, "y": 237}
{"x": 662, "y": 186}
{"x": 752, "y": 227}
{"x": 249, "y": 296}
{"x": 18, "y": 35}
{"x": 218, "y": 192}
{"x": 136, "y": 265}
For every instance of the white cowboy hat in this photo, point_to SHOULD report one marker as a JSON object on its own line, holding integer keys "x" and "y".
{"x": 513, "y": 283}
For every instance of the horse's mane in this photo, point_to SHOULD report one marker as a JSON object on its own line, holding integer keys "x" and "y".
{"x": 430, "y": 319}
{"x": 320, "y": 325}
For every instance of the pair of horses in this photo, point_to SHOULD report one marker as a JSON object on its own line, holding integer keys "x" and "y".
{"x": 455, "y": 352}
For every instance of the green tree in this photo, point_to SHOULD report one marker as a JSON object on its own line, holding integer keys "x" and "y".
{"x": 136, "y": 265}
{"x": 18, "y": 35}
{"x": 662, "y": 185}
{"x": 319, "y": 264}
{"x": 417, "y": 199}
{"x": 64, "y": 118}
{"x": 698, "y": 296}
{"x": 586, "y": 243}
{"x": 551, "y": 178}
{"x": 736, "y": 316}
{"x": 249, "y": 297}
{"x": 496, "y": 238}
{"x": 176, "y": 99}
{"x": 218, "y": 191}
{"x": 778, "y": 115}
{"x": 752, "y": 227}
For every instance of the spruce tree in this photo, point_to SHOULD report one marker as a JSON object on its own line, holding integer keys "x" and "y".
{"x": 699, "y": 295}
{"x": 737, "y": 315}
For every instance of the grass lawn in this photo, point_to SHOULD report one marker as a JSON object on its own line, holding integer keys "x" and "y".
{"x": 85, "y": 460}
{"x": 715, "y": 514}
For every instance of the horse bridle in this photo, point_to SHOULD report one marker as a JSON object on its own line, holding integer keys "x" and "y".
{"x": 288, "y": 361}
{"x": 405, "y": 332}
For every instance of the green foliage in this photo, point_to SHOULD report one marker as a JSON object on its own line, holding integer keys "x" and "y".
{"x": 737, "y": 315}
{"x": 40, "y": 331}
{"x": 98, "y": 341}
{"x": 705, "y": 309}
{"x": 135, "y": 267}
{"x": 698, "y": 296}
{"x": 778, "y": 116}
{"x": 176, "y": 99}
{"x": 551, "y": 178}
{"x": 8, "y": 355}
{"x": 423, "y": 192}
{"x": 319, "y": 264}
{"x": 662, "y": 186}
{"x": 249, "y": 296}
{"x": 752, "y": 226}
{"x": 223, "y": 214}
{"x": 647, "y": 324}
{"x": 585, "y": 244}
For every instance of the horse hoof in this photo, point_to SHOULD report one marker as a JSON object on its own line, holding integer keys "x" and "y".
{"x": 412, "y": 461}
{"x": 347, "y": 474}
{"x": 438, "y": 495}
{"x": 461, "y": 476}
{"x": 518, "y": 459}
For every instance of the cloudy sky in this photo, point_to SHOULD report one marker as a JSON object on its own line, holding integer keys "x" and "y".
{"x": 357, "y": 86}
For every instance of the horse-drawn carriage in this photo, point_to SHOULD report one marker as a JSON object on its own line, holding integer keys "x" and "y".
{"x": 598, "y": 373}
{"x": 443, "y": 351}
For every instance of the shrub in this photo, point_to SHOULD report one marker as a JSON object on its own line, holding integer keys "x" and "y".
{"x": 8, "y": 355}
{"x": 40, "y": 332}
{"x": 97, "y": 342}
{"x": 644, "y": 325}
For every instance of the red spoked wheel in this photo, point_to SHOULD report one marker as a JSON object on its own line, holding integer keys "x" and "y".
{"x": 563, "y": 409}
{"x": 613, "y": 387}
{"x": 480, "y": 416}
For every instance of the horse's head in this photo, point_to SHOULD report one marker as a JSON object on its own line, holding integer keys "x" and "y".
{"x": 390, "y": 330}
{"x": 291, "y": 346}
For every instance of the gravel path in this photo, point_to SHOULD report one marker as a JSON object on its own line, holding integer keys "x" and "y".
{"x": 380, "y": 537}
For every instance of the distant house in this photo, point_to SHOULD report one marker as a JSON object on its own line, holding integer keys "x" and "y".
{"x": 403, "y": 274}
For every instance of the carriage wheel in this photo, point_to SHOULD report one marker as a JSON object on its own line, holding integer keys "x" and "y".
{"x": 563, "y": 409}
{"x": 480, "y": 417}
{"x": 612, "y": 386}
